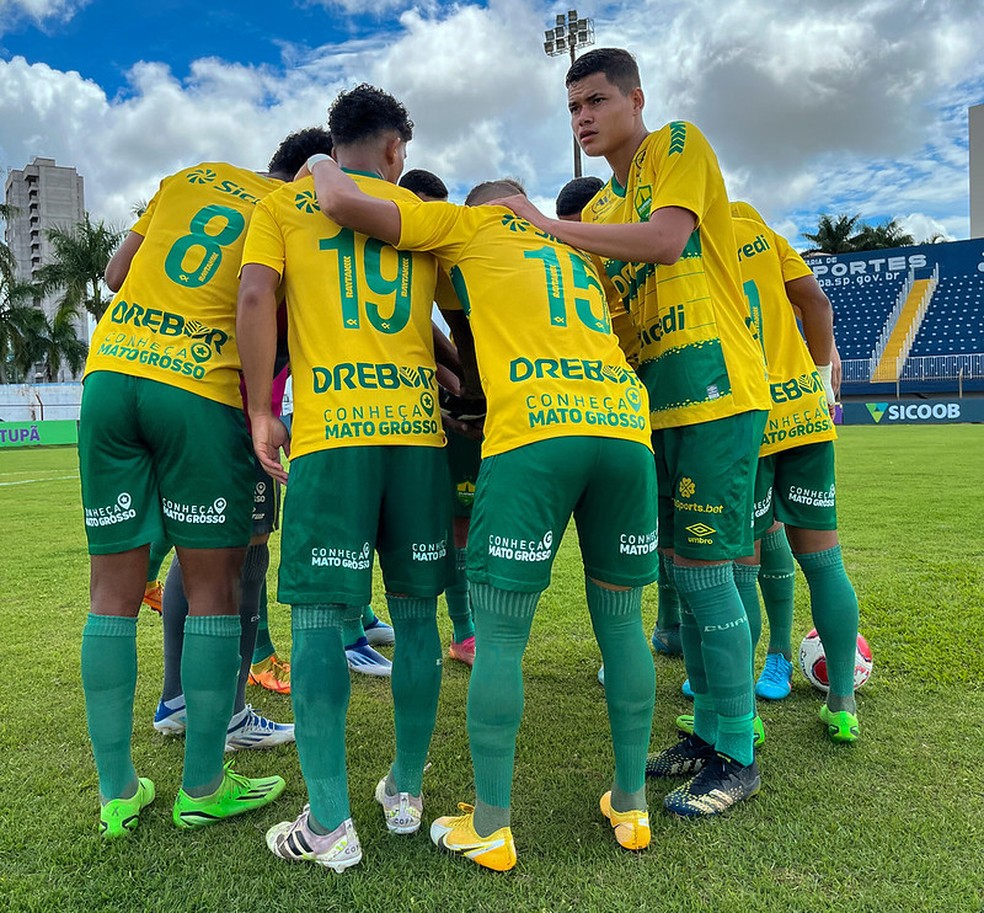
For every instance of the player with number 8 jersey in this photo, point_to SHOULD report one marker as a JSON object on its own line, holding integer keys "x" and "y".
{"x": 164, "y": 454}
{"x": 186, "y": 340}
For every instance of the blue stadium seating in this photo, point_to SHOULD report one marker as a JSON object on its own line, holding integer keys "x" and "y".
{"x": 954, "y": 322}
{"x": 860, "y": 313}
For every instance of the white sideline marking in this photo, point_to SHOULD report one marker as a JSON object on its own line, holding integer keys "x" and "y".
{"x": 29, "y": 481}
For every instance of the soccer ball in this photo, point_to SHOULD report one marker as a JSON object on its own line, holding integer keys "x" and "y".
{"x": 813, "y": 662}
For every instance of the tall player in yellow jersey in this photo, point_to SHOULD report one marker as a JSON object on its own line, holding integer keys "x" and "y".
{"x": 162, "y": 367}
{"x": 662, "y": 228}
{"x": 795, "y": 483}
{"x": 367, "y": 473}
{"x": 566, "y": 433}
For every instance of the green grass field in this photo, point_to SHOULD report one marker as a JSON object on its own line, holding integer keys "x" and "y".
{"x": 894, "y": 823}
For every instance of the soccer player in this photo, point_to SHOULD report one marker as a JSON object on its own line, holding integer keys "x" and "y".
{"x": 464, "y": 457}
{"x": 566, "y": 433}
{"x": 795, "y": 482}
{"x": 662, "y": 228}
{"x": 163, "y": 365}
{"x": 247, "y": 728}
{"x": 367, "y": 468}
{"x": 575, "y": 195}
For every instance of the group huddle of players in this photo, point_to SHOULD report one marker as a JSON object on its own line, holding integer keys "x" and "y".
{"x": 636, "y": 364}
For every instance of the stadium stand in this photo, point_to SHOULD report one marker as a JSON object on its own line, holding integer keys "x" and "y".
{"x": 954, "y": 323}
{"x": 884, "y": 346}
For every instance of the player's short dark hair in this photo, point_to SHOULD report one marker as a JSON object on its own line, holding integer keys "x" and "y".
{"x": 618, "y": 65}
{"x": 419, "y": 181}
{"x": 297, "y": 148}
{"x": 574, "y": 195}
{"x": 365, "y": 112}
{"x": 492, "y": 190}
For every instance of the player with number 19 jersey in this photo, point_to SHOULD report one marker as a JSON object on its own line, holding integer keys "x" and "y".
{"x": 171, "y": 320}
{"x": 550, "y": 366}
{"x": 351, "y": 388}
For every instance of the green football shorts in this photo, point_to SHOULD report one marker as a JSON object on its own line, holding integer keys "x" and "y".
{"x": 159, "y": 462}
{"x": 797, "y": 487}
{"x": 345, "y": 503}
{"x": 706, "y": 477}
{"x": 526, "y": 497}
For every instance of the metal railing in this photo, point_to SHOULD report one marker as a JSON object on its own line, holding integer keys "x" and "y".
{"x": 891, "y": 320}
{"x": 910, "y": 337}
{"x": 921, "y": 367}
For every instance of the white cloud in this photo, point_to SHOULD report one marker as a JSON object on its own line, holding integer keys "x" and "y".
{"x": 40, "y": 11}
{"x": 825, "y": 106}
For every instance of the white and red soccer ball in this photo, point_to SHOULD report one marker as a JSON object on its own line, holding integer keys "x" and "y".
{"x": 813, "y": 662}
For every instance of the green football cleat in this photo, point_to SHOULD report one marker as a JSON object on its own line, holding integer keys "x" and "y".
{"x": 842, "y": 726}
{"x": 685, "y": 723}
{"x": 236, "y": 794}
{"x": 119, "y": 816}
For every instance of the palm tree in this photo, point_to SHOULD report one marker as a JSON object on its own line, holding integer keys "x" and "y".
{"x": 80, "y": 257}
{"x": 834, "y": 236}
{"x": 22, "y": 326}
{"x": 20, "y": 321}
{"x": 59, "y": 343}
{"x": 879, "y": 237}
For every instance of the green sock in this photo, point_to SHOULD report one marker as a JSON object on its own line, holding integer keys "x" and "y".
{"x": 733, "y": 737}
{"x": 459, "y": 607}
{"x": 320, "y": 689}
{"x": 746, "y": 579}
{"x": 264, "y": 645}
{"x": 353, "y": 628}
{"x": 712, "y": 595}
{"x": 705, "y": 716}
{"x": 630, "y": 687}
{"x": 668, "y": 611}
{"x": 835, "y": 613}
{"x": 495, "y": 697}
{"x": 416, "y": 684}
{"x": 776, "y": 580}
{"x": 159, "y": 550}
{"x": 209, "y": 669}
{"x": 109, "y": 677}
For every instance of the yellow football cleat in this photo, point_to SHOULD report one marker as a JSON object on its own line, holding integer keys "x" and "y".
{"x": 631, "y": 828}
{"x": 271, "y": 673}
{"x": 457, "y": 834}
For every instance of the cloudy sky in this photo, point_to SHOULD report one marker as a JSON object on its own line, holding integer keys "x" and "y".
{"x": 818, "y": 106}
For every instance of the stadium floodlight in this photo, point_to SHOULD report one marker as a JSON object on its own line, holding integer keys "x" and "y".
{"x": 569, "y": 34}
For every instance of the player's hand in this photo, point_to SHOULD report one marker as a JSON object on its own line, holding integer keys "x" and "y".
{"x": 269, "y": 436}
{"x": 448, "y": 380}
{"x": 523, "y": 208}
{"x": 473, "y": 429}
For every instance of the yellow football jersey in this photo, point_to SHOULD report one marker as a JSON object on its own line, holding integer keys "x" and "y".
{"x": 697, "y": 357}
{"x": 174, "y": 319}
{"x": 359, "y": 324}
{"x": 799, "y": 413}
{"x": 550, "y": 365}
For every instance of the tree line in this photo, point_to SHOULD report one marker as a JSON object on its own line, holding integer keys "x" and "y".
{"x": 31, "y": 342}
{"x": 845, "y": 234}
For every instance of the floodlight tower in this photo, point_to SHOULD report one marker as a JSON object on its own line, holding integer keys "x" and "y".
{"x": 569, "y": 34}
